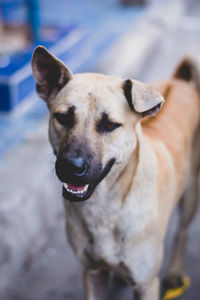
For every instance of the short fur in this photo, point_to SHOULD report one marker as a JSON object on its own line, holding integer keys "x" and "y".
{"x": 121, "y": 227}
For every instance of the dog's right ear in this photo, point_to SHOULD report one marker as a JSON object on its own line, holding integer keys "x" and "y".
{"x": 49, "y": 72}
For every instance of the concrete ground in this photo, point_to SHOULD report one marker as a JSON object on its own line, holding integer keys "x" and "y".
{"x": 147, "y": 52}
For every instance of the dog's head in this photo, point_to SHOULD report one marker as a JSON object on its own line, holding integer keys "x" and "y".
{"x": 92, "y": 121}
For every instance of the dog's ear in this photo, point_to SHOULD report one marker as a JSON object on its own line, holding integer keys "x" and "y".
{"x": 142, "y": 98}
{"x": 49, "y": 72}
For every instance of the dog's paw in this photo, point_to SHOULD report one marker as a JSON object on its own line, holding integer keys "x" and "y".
{"x": 173, "y": 280}
{"x": 175, "y": 285}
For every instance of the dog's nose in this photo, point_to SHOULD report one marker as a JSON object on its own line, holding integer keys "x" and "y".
{"x": 78, "y": 166}
{"x": 68, "y": 166}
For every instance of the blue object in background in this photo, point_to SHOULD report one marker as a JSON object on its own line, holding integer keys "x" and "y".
{"x": 16, "y": 80}
{"x": 34, "y": 18}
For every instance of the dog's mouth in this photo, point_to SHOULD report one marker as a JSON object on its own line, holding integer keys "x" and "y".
{"x": 75, "y": 192}
{"x": 76, "y": 189}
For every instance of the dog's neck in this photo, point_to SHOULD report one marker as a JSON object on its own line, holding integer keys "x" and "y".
{"x": 137, "y": 167}
{"x": 126, "y": 177}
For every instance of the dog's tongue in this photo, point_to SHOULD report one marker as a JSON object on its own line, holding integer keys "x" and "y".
{"x": 76, "y": 187}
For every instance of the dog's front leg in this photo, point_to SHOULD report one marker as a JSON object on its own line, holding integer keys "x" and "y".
{"x": 148, "y": 292}
{"x": 96, "y": 284}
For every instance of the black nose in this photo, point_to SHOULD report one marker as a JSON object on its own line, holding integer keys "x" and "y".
{"x": 78, "y": 166}
{"x": 68, "y": 167}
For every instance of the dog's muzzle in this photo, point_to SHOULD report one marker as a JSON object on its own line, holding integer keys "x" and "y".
{"x": 79, "y": 179}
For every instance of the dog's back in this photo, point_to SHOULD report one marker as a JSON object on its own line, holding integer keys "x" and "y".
{"x": 178, "y": 118}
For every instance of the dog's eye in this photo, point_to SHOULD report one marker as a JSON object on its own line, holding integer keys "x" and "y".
{"x": 64, "y": 119}
{"x": 107, "y": 126}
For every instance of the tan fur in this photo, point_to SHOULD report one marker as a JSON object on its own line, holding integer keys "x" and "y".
{"x": 121, "y": 227}
{"x": 173, "y": 126}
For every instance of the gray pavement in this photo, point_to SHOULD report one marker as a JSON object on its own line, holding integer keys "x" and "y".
{"x": 50, "y": 271}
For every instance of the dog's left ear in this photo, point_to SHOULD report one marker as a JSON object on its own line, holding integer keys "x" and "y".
{"x": 49, "y": 72}
{"x": 142, "y": 98}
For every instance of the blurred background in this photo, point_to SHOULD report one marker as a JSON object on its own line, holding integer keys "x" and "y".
{"x": 142, "y": 39}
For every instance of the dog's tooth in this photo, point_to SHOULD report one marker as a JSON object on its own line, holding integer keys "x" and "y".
{"x": 65, "y": 185}
{"x": 85, "y": 188}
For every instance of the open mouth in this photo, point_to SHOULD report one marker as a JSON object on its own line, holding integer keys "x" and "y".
{"x": 76, "y": 189}
{"x": 75, "y": 192}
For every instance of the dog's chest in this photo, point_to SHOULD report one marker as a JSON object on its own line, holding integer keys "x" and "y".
{"x": 110, "y": 229}
{"x": 102, "y": 218}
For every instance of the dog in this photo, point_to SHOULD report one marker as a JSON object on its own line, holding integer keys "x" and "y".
{"x": 126, "y": 157}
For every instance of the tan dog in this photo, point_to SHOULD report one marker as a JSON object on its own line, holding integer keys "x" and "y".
{"x": 131, "y": 169}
